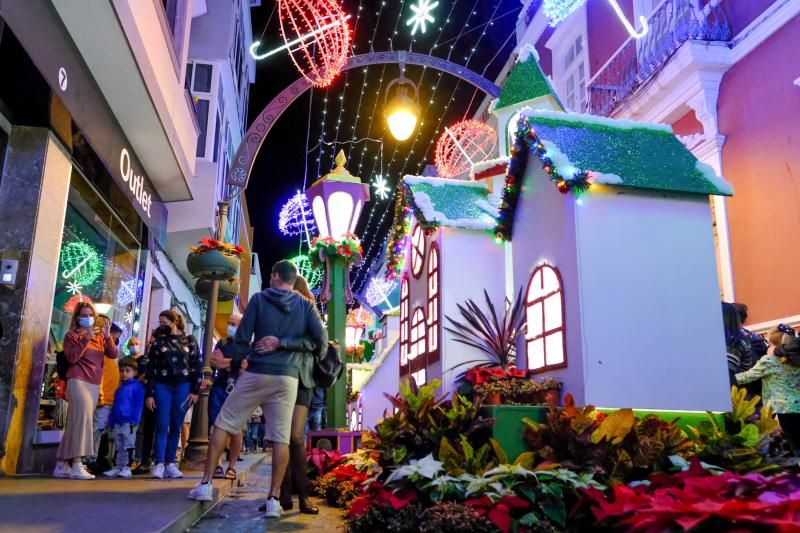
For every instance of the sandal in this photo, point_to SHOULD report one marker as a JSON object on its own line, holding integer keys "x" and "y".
{"x": 230, "y": 473}
{"x": 219, "y": 473}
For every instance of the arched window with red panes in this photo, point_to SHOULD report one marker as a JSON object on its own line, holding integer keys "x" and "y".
{"x": 417, "y": 347}
{"x": 433, "y": 303}
{"x": 404, "y": 326}
{"x": 545, "y": 338}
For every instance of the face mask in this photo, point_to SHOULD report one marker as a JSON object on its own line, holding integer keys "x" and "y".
{"x": 133, "y": 348}
{"x": 231, "y": 331}
{"x": 163, "y": 330}
{"x": 86, "y": 321}
{"x": 116, "y": 341}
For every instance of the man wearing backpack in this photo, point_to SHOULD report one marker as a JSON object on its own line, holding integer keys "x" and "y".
{"x": 285, "y": 326}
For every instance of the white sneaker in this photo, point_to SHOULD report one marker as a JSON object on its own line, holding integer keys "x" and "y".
{"x": 79, "y": 472}
{"x": 173, "y": 472}
{"x": 203, "y": 492}
{"x": 273, "y": 509}
{"x": 62, "y": 470}
{"x": 114, "y": 472}
{"x": 158, "y": 471}
{"x": 125, "y": 473}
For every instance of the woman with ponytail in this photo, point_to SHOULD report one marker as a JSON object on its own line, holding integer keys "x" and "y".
{"x": 780, "y": 377}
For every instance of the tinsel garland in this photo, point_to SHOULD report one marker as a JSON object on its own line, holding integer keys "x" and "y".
{"x": 526, "y": 141}
{"x": 401, "y": 226}
{"x": 349, "y": 248}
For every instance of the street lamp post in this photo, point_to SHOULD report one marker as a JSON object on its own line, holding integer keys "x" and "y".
{"x": 336, "y": 202}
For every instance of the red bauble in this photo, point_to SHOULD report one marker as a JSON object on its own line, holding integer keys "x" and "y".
{"x": 319, "y": 58}
{"x": 563, "y": 187}
{"x": 467, "y": 143}
{"x": 73, "y": 302}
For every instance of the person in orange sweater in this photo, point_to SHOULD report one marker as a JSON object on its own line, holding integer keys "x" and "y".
{"x": 108, "y": 387}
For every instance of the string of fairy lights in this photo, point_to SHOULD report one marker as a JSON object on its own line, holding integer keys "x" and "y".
{"x": 374, "y": 232}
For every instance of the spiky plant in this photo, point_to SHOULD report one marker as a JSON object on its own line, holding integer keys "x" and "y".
{"x": 495, "y": 336}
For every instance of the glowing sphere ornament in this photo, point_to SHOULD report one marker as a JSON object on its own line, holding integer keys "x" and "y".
{"x": 306, "y": 269}
{"x": 80, "y": 262}
{"x": 296, "y": 217}
{"x": 73, "y": 302}
{"x": 321, "y": 57}
{"x": 463, "y": 145}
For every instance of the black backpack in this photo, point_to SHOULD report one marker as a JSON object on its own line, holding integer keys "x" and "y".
{"x": 330, "y": 368}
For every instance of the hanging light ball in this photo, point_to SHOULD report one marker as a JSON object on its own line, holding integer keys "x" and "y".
{"x": 304, "y": 268}
{"x": 296, "y": 217}
{"x": 318, "y": 37}
{"x": 73, "y": 302}
{"x": 462, "y": 145}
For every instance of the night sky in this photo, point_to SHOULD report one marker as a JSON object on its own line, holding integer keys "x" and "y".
{"x": 352, "y": 108}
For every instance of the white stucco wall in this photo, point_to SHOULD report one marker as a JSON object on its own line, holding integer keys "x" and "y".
{"x": 544, "y": 231}
{"x": 650, "y": 302}
{"x": 385, "y": 379}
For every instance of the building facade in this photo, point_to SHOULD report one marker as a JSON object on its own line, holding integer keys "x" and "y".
{"x": 102, "y": 149}
{"x": 723, "y": 75}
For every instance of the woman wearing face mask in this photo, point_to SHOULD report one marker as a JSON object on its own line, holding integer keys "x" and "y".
{"x": 85, "y": 347}
{"x": 174, "y": 375}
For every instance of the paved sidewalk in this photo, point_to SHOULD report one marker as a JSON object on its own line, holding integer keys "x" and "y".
{"x": 47, "y": 505}
{"x": 238, "y": 512}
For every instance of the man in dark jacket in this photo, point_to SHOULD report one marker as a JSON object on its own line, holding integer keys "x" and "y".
{"x": 285, "y": 325}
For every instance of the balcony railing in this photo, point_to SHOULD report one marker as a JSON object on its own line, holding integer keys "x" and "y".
{"x": 673, "y": 23}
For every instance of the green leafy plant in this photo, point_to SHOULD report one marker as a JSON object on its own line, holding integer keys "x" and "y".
{"x": 421, "y": 421}
{"x": 744, "y": 442}
{"x": 615, "y": 448}
{"x": 493, "y": 335}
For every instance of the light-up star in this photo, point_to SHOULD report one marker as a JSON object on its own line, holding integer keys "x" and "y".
{"x": 129, "y": 317}
{"x": 381, "y": 188}
{"x": 74, "y": 288}
{"x": 422, "y": 15}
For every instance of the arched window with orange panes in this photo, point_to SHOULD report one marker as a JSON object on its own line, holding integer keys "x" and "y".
{"x": 417, "y": 347}
{"x": 545, "y": 339}
{"x": 433, "y": 303}
{"x": 404, "y": 326}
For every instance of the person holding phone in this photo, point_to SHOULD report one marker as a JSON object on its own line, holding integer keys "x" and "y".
{"x": 174, "y": 375}
{"x": 87, "y": 343}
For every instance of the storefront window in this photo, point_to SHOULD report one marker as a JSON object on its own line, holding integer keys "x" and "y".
{"x": 100, "y": 262}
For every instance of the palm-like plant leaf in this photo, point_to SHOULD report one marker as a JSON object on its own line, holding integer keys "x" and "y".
{"x": 487, "y": 332}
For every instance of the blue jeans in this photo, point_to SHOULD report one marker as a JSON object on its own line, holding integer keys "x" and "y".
{"x": 170, "y": 412}
{"x": 216, "y": 398}
{"x": 314, "y": 420}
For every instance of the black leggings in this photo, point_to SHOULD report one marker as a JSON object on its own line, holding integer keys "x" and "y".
{"x": 296, "y": 476}
{"x": 790, "y": 425}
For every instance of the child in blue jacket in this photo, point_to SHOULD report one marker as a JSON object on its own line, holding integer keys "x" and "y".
{"x": 125, "y": 416}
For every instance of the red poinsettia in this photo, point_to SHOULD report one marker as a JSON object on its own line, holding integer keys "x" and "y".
{"x": 500, "y": 512}
{"x": 378, "y": 494}
{"x": 323, "y": 460}
{"x": 482, "y": 374}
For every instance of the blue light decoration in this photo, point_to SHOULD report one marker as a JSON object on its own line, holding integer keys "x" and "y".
{"x": 296, "y": 217}
{"x": 379, "y": 289}
{"x": 558, "y": 10}
{"x": 129, "y": 291}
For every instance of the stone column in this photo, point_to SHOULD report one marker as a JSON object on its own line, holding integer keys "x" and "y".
{"x": 33, "y": 202}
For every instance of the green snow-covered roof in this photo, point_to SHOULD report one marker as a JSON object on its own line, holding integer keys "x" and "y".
{"x": 526, "y": 82}
{"x": 624, "y": 153}
{"x": 452, "y": 203}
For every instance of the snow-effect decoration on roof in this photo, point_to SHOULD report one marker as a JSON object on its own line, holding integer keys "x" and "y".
{"x": 489, "y": 164}
{"x": 452, "y": 203}
{"x": 624, "y": 153}
{"x": 526, "y": 52}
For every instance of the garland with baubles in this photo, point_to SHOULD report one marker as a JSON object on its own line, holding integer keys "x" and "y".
{"x": 349, "y": 248}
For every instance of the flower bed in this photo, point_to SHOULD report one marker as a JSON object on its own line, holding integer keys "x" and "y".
{"x": 430, "y": 467}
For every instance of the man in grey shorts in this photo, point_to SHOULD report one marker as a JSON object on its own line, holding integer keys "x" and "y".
{"x": 287, "y": 329}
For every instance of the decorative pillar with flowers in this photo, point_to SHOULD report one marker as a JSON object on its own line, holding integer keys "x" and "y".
{"x": 337, "y": 200}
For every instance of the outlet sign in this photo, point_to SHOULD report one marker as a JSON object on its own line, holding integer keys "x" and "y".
{"x": 135, "y": 181}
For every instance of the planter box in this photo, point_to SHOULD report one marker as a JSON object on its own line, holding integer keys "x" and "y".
{"x": 227, "y": 289}
{"x": 212, "y": 265}
{"x": 507, "y": 429}
{"x": 342, "y": 441}
{"x": 686, "y": 418}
